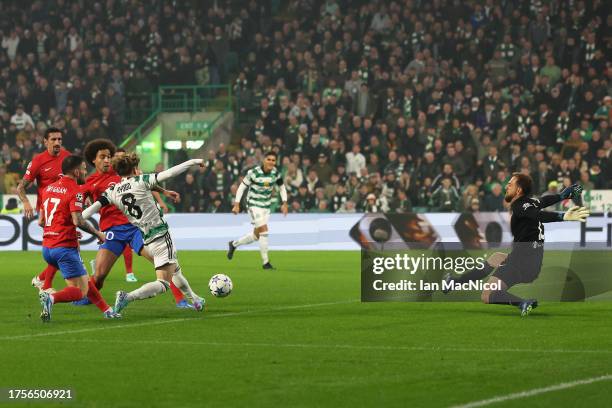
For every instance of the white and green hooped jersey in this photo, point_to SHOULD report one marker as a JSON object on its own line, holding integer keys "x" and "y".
{"x": 261, "y": 186}
{"x": 132, "y": 196}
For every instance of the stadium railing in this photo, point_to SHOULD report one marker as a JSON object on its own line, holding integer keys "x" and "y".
{"x": 182, "y": 98}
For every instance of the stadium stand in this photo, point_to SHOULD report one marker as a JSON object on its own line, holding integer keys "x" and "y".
{"x": 372, "y": 105}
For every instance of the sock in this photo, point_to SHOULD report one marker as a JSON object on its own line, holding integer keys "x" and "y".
{"x": 94, "y": 296}
{"x": 148, "y": 290}
{"x": 247, "y": 239}
{"x": 127, "y": 258}
{"x": 501, "y": 297}
{"x": 41, "y": 276}
{"x": 47, "y": 276}
{"x": 176, "y": 292}
{"x": 263, "y": 247}
{"x": 180, "y": 282}
{"x": 474, "y": 274}
{"x": 68, "y": 294}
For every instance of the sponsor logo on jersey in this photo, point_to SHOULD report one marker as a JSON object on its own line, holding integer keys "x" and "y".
{"x": 60, "y": 190}
{"x": 124, "y": 188}
{"x": 526, "y": 206}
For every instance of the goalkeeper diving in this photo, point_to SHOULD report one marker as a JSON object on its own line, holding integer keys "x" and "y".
{"x": 524, "y": 262}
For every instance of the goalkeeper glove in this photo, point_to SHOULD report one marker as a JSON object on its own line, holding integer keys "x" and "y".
{"x": 576, "y": 214}
{"x": 571, "y": 192}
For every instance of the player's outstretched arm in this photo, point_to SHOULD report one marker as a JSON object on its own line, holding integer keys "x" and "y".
{"x": 91, "y": 210}
{"x": 576, "y": 214}
{"x": 573, "y": 191}
{"x": 178, "y": 169}
{"x": 79, "y": 221}
{"x": 531, "y": 211}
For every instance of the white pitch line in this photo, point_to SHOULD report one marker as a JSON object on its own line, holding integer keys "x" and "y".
{"x": 183, "y": 319}
{"x": 535, "y": 391}
{"x": 329, "y": 346}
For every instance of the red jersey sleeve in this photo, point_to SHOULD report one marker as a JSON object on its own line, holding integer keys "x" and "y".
{"x": 76, "y": 201}
{"x": 32, "y": 170}
{"x": 87, "y": 189}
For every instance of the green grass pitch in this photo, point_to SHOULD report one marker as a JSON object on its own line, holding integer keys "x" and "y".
{"x": 296, "y": 337}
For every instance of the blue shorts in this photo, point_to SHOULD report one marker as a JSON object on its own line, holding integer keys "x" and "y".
{"x": 67, "y": 260}
{"x": 119, "y": 236}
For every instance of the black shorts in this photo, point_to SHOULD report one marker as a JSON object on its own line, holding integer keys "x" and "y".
{"x": 523, "y": 264}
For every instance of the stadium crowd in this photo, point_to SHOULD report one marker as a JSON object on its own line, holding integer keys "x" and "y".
{"x": 371, "y": 105}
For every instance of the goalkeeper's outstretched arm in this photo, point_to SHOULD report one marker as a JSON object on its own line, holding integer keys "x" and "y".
{"x": 574, "y": 191}
{"x": 573, "y": 214}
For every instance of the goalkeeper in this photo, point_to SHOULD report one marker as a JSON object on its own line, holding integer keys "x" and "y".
{"x": 524, "y": 262}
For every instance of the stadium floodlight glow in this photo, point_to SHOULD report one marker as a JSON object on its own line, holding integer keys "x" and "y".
{"x": 176, "y": 144}
{"x": 194, "y": 144}
{"x": 172, "y": 145}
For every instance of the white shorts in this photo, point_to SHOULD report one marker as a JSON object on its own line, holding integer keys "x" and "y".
{"x": 162, "y": 250}
{"x": 259, "y": 216}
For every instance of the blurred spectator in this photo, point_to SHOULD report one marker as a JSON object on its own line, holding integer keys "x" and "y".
{"x": 494, "y": 201}
{"x": 11, "y": 207}
{"x": 445, "y": 197}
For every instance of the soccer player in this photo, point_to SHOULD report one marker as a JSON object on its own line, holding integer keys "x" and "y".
{"x": 120, "y": 234}
{"x": 524, "y": 262}
{"x": 45, "y": 168}
{"x": 261, "y": 181}
{"x": 132, "y": 195}
{"x": 62, "y": 203}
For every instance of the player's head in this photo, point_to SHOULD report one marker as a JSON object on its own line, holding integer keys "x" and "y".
{"x": 518, "y": 186}
{"x": 99, "y": 153}
{"x": 269, "y": 161}
{"x": 120, "y": 151}
{"x": 75, "y": 167}
{"x": 126, "y": 164}
{"x": 53, "y": 140}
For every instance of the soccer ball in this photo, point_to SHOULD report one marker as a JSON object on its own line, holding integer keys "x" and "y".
{"x": 220, "y": 285}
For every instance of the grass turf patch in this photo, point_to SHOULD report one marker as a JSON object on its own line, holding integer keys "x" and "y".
{"x": 297, "y": 336}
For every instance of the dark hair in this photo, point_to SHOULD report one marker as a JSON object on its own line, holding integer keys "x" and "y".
{"x": 71, "y": 162}
{"x": 11, "y": 203}
{"x": 52, "y": 130}
{"x": 271, "y": 153}
{"x": 120, "y": 150}
{"x": 124, "y": 165}
{"x": 92, "y": 148}
{"x": 524, "y": 182}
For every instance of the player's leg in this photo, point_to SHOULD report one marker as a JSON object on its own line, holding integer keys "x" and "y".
{"x": 50, "y": 272}
{"x": 259, "y": 219}
{"x": 179, "y": 280}
{"x": 179, "y": 299}
{"x": 128, "y": 260}
{"x": 77, "y": 283}
{"x": 262, "y": 233}
{"x": 245, "y": 239}
{"x": 170, "y": 272}
{"x": 164, "y": 258}
{"x": 168, "y": 259}
{"x": 501, "y": 296}
{"x": 44, "y": 280}
{"x": 105, "y": 259}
